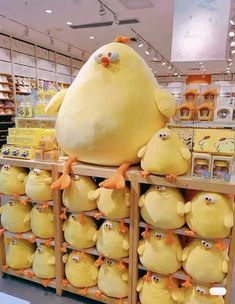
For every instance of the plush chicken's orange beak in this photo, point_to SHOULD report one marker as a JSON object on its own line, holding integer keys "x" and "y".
{"x": 104, "y": 61}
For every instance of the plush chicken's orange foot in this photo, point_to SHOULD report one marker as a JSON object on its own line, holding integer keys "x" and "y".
{"x": 48, "y": 242}
{"x": 116, "y": 181}
{"x": 45, "y": 282}
{"x": 99, "y": 261}
{"x": 20, "y": 272}
{"x": 18, "y": 236}
{"x": 170, "y": 282}
{"x": 171, "y": 178}
{"x": 84, "y": 291}
{"x": 98, "y": 294}
{"x": 29, "y": 274}
{"x": 64, "y": 248}
{"x": 64, "y": 282}
{"x": 2, "y": 231}
{"x": 120, "y": 301}
{"x": 144, "y": 174}
{"x": 25, "y": 201}
{"x": 187, "y": 283}
{"x": 98, "y": 215}
{"x": 64, "y": 181}
{"x": 32, "y": 239}
{"x": 4, "y": 267}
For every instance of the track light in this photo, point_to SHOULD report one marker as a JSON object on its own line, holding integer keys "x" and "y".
{"x": 102, "y": 10}
{"x": 163, "y": 63}
{"x": 140, "y": 45}
{"x": 230, "y": 63}
{"x": 232, "y": 43}
{"x": 232, "y": 22}
{"x": 175, "y": 73}
{"x": 229, "y": 59}
{"x": 115, "y": 19}
{"x": 231, "y": 34}
{"x": 147, "y": 52}
{"x": 233, "y": 51}
{"x": 169, "y": 67}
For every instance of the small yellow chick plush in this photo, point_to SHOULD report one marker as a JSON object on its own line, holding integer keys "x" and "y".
{"x": 37, "y": 186}
{"x": 113, "y": 203}
{"x": 205, "y": 261}
{"x": 12, "y": 180}
{"x": 15, "y": 217}
{"x": 42, "y": 222}
{"x": 210, "y": 214}
{"x": 200, "y": 295}
{"x": 79, "y": 231}
{"x": 113, "y": 279}
{"x": 112, "y": 240}
{"x": 19, "y": 253}
{"x": 155, "y": 290}
{"x": 163, "y": 207}
{"x": 165, "y": 154}
{"x": 80, "y": 269}
{"x": 160, "y": 252}
{"x": 75, "y": 197}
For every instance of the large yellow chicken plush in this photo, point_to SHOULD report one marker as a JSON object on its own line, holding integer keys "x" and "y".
{"x": 200, "y": 295}
{"x": 80, "y": 269}
{"x": 79, "y": 231}
{"x": 112, "y": 240}
{"x": 113, "y": 279}
{"x": 160, "y": 252}
{"x": 156, "y": 290}
{"x": 205, "y": 261}
{"x": 113, "y": 203}
{"x": 42, "y": 221}
{"x": 106, "y": 104}
{"x": 15, "y": 217}
{"x": 210, "y": 214}
{"x": 163, "y": 207}
{"x": 75, "y": 197}
{"x": 19, "y": 253}
{"x": 37, "y": 186}
{"x": 12, "y": 180}
{"x": 165, "y": 154}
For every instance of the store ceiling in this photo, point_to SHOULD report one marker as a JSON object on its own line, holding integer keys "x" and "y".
{"x": 155, "y": 26}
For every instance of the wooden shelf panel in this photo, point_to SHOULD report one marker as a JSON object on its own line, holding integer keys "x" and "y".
{"x": 37, "y": 118}
{"x": 26, "y": 236}
{"x": 201, "y": 125}
{"x": 22, "y": 197}
{"x": 26, "y": 163}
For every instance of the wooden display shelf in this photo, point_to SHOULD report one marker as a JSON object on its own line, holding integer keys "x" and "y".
{"x": 26, "y": 163}
{"x": 37, "y": 118}
{"x": 202, "y": 125}
{"x": 27, "y": 236}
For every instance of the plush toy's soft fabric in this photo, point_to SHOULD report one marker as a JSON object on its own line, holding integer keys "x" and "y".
{"x": 80, "y": 269}
{"x": 210, "y": 214}
{"x": 165, "y": 154}
{"x": 108, "y": 103}
{"x": 113, "y": 279}
{"x": 79, "y": 231}
{"x": 112, "y": 240}
{"x": 115, "y": 204}
{"x": 200, "y": 295}
{"x": 205, "y": 261}
{"x": 15, "y": 217}
{"x": 160, "y": 252}
{"x": 163, "y": 207}
{"x": 75, "y": 197}
{"x": 12, "y": 180}
{"x": 156, "y": 290}
{"x": 44, "y": 262}
{"x": 19, "y": 253}
{"x": 42, "y": 221}
{"x": 37, "y": 185}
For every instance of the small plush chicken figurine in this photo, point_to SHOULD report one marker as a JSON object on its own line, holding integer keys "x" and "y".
{"x": 112, "y": 240}
{"x": 37, "y": 186}
{"x": 165, "y": 154}
{"x": 113, "y": 279}
{"x": 115, "y": 204}
{"x": 42, "y": 221}
{"x": 19, "y": 254}
{"x": 15, "y": 217}
{"x": 160, "y": 252}
{"x": 200, "y": 295}
{"x": 210, "y": 214}
{"x": 80, "y": 270}
{"x": 79, "y": 231}
{"x": 12, "y": 180}
{"x": 162, "y": 207}
{"x": 205, "y": 261}
{"x": 75, "y": 197}
{"x": 157, "y": 290}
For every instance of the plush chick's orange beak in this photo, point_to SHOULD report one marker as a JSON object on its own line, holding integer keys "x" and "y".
{"x": 104, "y": 61}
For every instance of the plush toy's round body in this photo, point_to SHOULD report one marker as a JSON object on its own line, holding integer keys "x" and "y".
{"x": 44, "y": 262}
{"x": 204, "y": 262}
{"x": 12, "y": 180}
{"x": 160, "y": 253}
{"x": 42, "y": 222}
{"x": 111, "y": 241}
{"x": 75, "y": 197}
{"x": 200, "y": 295}
{"x": 80, "y": 233}
{"x": 156, "y": 291}
{"x": 113, "y": 203}
{"x": 112, "y": 280}
{"x": 15, "y": 217}
{"x": 19, "y": 253}
{"x": 80, "y": 269}
{"x": 37, "y": 185}
{"x": 108, "y": 103}
{"x": 210, "y": 214}
{"x": 163, "y": 207}
{"x": 165, "y": 154}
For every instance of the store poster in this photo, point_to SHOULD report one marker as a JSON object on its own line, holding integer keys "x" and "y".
{"x": 200, "y": 30}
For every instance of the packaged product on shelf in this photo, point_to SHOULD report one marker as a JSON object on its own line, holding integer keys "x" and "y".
{"x": 222, "y": 168}
{"x": 187, "y": 109}
{"x": 205, "y": 109}
{"x": 201, "y": 166}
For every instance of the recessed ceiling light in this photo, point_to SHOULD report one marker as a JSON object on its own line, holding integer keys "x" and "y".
{"x": 201, "y": 62}
{"x": 231, "y": 34}
{"x": 175, "y": 73}
{"x": 228, "y": 72}
{"x": 147, "y": 52}
{"x": 232, "y": 43}
{"x": 230, "y": 63}
{"x": 69, "y": 23}
{"x": 202, "y": 67}
{"x": 169, "y": 67}
{"x": 228, "y": 68}
{"x": 229, "y": 59}
{"x": 163, "y": 63}
{"x": 48, "y": 11}
{"x": 233, "y": 51}
{"x": 92, "y": 37}
{"x": 140, "y": 45}
{"x": 154, "y": 58}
